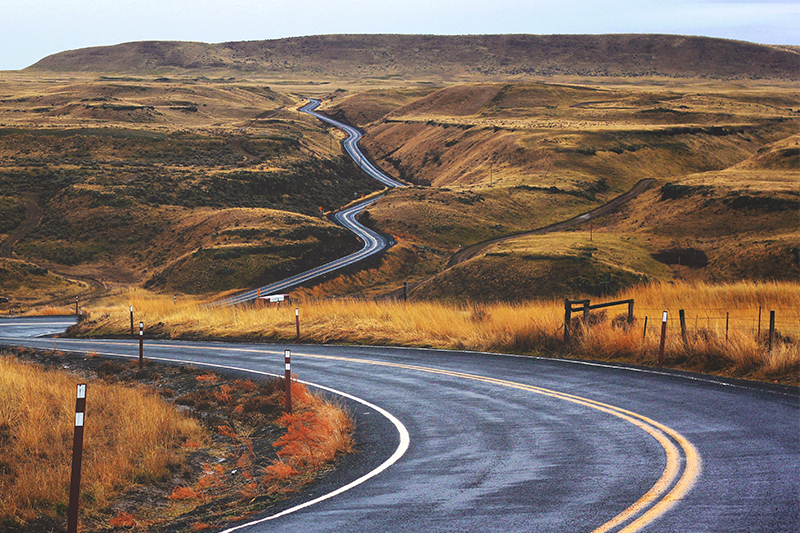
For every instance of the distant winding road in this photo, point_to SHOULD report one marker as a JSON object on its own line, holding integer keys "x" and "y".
{"x": 374, "y": 242}
{"x": 452, "y": 441}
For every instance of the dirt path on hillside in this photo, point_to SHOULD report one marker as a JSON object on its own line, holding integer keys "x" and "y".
{"x": 32, "y": 218}
{"x": 475, "y": 249}
{"x": 237, "y": 146}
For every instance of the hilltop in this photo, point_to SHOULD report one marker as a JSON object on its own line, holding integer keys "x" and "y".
{"x": 473, "y": 57}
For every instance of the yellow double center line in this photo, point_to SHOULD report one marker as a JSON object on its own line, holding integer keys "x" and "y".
{"x": 675, "y": 482}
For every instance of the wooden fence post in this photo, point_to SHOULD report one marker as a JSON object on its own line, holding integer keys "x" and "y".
{"x": 644, "y": 333}
{"x": 567, "y": 318}
{"x": 682, "y": 315}
{"x": 630, "y": 312}
{"x": 727, "y": 322}
{"x": 297, "y": 323}
{"x": 771, "y": 329}
{"x": 758, "y": 335}
{"x": 586, "y": 313}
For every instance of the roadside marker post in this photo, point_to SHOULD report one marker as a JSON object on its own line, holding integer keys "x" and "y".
{"x": 76, "y": 306}
{"x": 77, "y": 456}
{"x": 132, "y": 321}
{"x": 297, "y": 323}
{"x": 663, "y": 340}
{"x": 141, "y": 345}
{"x": 287, "y": 360}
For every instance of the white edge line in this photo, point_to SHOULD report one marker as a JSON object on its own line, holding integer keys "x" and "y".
{"x": 405, "y": 438}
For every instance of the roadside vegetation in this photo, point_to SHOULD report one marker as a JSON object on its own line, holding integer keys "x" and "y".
{"x": 533, "y": 327}
{"x": 165, "y": 448}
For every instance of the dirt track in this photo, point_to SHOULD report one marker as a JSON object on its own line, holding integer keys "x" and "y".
{"x": 475, "y": 249}
{"x": 32, "y": 219}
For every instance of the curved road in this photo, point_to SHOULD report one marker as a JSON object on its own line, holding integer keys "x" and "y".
{"x": 374, "y": 243}
{"x": 505, "y": 443}
{"x": 351, "y": 145}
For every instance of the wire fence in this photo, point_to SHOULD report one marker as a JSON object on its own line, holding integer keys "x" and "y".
{"x": 754, "y": 321}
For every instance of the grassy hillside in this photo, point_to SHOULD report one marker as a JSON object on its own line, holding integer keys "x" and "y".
{"x": 190, "y": 186}
{"x": 496, "y": 159}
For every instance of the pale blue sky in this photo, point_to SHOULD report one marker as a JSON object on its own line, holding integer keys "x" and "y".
{"x": 33, "y": 29}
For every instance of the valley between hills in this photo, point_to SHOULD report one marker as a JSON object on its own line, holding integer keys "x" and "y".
{"x": 122, "y": 167}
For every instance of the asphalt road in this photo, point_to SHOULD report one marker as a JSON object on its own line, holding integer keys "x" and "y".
{"x": 373, "y": 243}
{"x": 506, "y": 443}
{"x": 350, "y": 145}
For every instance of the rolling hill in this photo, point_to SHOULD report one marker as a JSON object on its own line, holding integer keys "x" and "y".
{"x": 472, "y": 57}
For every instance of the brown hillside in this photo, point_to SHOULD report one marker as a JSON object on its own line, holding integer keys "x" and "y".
{"x": 537, "y": 135}
{"x": 782, "y": 155}
{"x": 445, "y": 57}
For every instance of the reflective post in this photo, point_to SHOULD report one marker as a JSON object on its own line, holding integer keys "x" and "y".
{"x": 141, "y": 345}
{"x": 287, "y": 359}
{"x": 663, "y": 340}
{"x": 77, "y": 456}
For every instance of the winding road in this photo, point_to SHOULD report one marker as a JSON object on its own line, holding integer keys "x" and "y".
{"x": 463, "y": 441}
{"x": 374, "y": 243}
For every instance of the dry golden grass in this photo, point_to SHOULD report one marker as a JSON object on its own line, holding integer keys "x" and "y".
{"x": 130, "y": 436}
{"x": 528, "y": 328}
{"x": 316, "y": 432}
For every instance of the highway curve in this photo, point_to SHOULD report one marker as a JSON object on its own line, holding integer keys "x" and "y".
{"x": 507, "y": 443}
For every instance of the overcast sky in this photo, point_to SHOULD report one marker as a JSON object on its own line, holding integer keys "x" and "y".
{"x": 33, "y": 29}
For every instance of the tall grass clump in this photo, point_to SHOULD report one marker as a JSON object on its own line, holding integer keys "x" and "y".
{"x": 130, "y": 435}
{"x": 317, "y": 431}
{"x": 534, "y": 327}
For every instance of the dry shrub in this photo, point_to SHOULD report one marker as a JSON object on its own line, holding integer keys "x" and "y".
{"x": 316, "y": 432}
{"x": 130, "y": 435}
{"x": 184, "y": 493}
{"x": 123, "y": 520}
{"x": 278, "y": 471}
